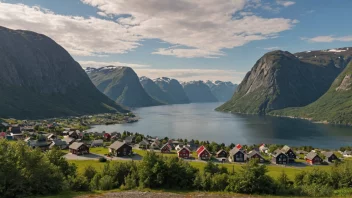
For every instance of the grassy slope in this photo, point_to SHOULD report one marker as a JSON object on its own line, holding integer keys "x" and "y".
{"x": 333, "y": 107}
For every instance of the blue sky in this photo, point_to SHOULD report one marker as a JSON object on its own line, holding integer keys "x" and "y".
{"x": 183, "y": 39}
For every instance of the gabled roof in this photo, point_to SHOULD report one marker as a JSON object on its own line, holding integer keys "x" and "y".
{"x": 328, "y": 154}
{"x": 202, "y": 151}
{"x": 347, "y": 152}
{"x": 254, "y": 152}
{"x": 167, "y": 145}
{"x": 279, "y": 152}
{"x": 117, "y": 144}
{"x": 76, "y": 145}
{"x": 239, "y": 146}
{"x": 184, "y": 148}
{"x": 37, "y": 143}
{"x": 58, "y": 142}
{"x": 311, "y": 155}
{"x": 130, "y": 138}
{"x": 201, "y": 148}
{"x": 68, "y": 140}
{"x": 285, "y": 149}
{"x": 235, "y": 150}
{"x": 221, "y": 150}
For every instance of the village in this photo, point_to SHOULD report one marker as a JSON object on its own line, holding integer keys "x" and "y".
{"x": 83, "y": 145}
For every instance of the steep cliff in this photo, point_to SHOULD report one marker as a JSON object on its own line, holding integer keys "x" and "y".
{"x": 155, "y": 91}
{"x": 39, "y": 79}
{"x": 280, "y": 79}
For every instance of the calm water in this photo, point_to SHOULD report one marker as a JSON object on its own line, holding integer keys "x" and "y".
{"x": 200, "y": 121}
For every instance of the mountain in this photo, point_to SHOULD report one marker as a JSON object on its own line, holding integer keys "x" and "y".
{"x": 335, "y": 106}
{"x": 280, "y": 79}
{"x": 223, "y": 91}
{"x": 173, "y": 88}
{"x": 40, "y": 79}
{"x": 155, "y": 91}
{"x": 122, "y": 85}
{"x": 198, "y": 92}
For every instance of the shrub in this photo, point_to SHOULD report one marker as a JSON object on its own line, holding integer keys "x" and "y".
{"x": 78, "y": 183}
{"x": 106, "y": 183}
{"x": 102, "y": 159}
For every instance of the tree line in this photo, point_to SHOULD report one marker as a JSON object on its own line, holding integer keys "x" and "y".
{"x": 30, "y": 172}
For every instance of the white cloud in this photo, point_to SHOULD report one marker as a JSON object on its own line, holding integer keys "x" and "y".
{"x": 285, "y": 3}
{"x": 200, "y": 28}
{"x": 79, "y": 35}
{"x": 193, "y": 74}
{"x": 97, "y": 64}
{"x": 328, "y": 39}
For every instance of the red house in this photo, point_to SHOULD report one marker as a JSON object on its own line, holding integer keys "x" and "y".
{"x": 107, "y": 136}
{"x": 183, "y": 153}
{"x": 166, "y": 148}
{"x": 203, "y": 153}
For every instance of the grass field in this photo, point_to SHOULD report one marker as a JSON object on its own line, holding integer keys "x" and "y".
{"x": 99, "y": 150}
{"x": 273, "y": 170}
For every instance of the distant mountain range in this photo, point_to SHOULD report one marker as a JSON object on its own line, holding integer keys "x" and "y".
{"x": 281, "y": 80}
{"x": 120, "y": 84}
{"x": 39, "y": 79}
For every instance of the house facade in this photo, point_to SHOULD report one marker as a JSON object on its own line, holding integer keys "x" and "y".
{"x": 330, "y": 156}
{"x": 166, "y": 148}
{"x": 79, "y": 148}
{"x": 237, "y": 155}
{"x": 120, "y": 149}
{"x": 204, "y": 154}
{"x": 280, "y": 158}
{"x": 221, "y": 154}
{"x": 255, "y": 155}
{"x": 313, "y": 158}
{"x": 184, "y": 153}
{"x": 289, "y": 152}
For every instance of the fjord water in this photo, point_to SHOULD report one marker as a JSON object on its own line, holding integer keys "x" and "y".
{"x": 202, "y": 122}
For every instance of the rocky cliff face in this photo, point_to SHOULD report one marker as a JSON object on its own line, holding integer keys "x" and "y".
{"x": 198, "y": 92}
{"x": 122, "y": 85}
{"x": 40, "y": 79}
{"x": 173, "y": 88}
{"x": 223, "y": 91}
{"x": 155, "y": 91}
{"x": 280, "y": 79}
{"x": 335, "y": 106}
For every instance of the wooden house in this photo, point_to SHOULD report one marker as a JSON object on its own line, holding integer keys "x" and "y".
{"x": 203, "y": 153}
{"x": 130, "y": 139}
{"x": 313, "y": 158}
{"x": 79, "y": 148}
{"x": 280, "y": 158}
{"x": 289, "y": 152}
{"x": 144, "y": 144}
{"x": 68, "y": 140}
{"x": 263, "y": 148}
{"x": 184, "y": 153}
{"x": 120, "y": 149}
{"x": 330, "y": 156}
{"x": 237, "y": 155}
{"x": 221, "y": 154}
{"x": 255, "y": 155}
{"x": 73, "y": 134}
{"x": 107, "y": 136}
{"x": 347, "y": 154}
{"x": 166, "y": 148}
{"x": 43, "y": 145}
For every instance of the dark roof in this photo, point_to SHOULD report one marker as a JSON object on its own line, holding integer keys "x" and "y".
{"x": 37, "y": 143}
{"x": 97, "y": 142}
{"x": 221, "y": 150}
{"x": 311, "y": 155}
{"x": 235, "y": 150}
{"x": 130, "y": 138}
{"x": 116, "y": 145}
{"x": 328, "y": 154}
{"x": 253, "y": 152}
{"x": 76, "y": 145}
{"x": 58, "y": 142}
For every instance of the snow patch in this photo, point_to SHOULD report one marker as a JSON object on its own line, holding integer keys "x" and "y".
{"x": 336, "y": 50}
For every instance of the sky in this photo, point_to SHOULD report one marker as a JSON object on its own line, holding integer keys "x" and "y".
{"x": 183, "y": 39}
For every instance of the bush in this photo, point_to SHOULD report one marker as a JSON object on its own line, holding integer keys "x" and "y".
{"x": 316, "y": 190}
{"x": 102, "y": 159}
{"x": 78, "y": 183}
{"x": 106, "y": 183}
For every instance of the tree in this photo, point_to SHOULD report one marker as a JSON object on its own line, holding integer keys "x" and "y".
{"x": 89, "y": 172}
